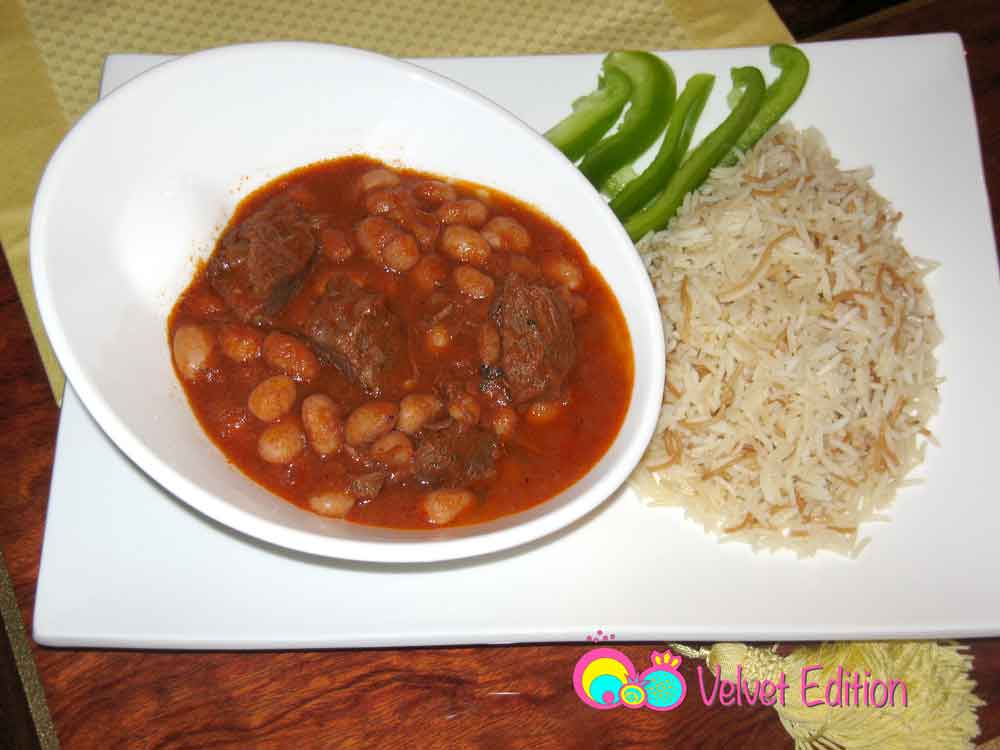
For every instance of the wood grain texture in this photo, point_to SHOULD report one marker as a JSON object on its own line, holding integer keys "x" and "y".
{"x": 806, "y": 19}
{"x": 442, "y": 698}
{"x": 18, "y": 729}
{"x": 495, "y": 697}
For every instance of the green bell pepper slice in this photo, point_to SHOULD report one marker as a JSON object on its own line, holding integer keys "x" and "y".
{"x": 639, "y": 191}
{"x": 778, "y": 98}
{"x": 592, "y": 116}
{"x": 653, "y": 91}
{"x": 696, "y": 167}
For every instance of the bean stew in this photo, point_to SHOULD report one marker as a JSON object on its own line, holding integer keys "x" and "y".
{"x": 397, "y": 349}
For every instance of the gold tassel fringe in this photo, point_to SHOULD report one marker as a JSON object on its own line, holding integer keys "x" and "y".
{"x": 941, "y": 705}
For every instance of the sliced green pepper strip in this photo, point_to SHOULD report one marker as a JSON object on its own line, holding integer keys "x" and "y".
{"x": 638, "y": 192}
{"x": 699, "y": 163}
{"x": 617, "y": 182}
{"x": 780, "y": 95}
{"x": 592, "y": 116}
{"x": 653, "y": 91}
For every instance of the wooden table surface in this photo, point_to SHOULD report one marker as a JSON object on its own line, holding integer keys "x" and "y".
{"x": 488, "y": 697}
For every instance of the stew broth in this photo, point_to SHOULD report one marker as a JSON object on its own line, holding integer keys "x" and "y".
{"x": 369, "y": 284}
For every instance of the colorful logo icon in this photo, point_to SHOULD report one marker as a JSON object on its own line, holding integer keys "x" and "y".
{"x": 605, "y": 678}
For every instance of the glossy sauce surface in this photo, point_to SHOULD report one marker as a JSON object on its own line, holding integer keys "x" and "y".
{"x": 557, "y": 436}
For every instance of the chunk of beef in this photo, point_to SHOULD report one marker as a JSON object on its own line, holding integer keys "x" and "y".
{"x": 492, "y": 385}
{"x": 354, "y": 329}
{"x": 538, "y": 348}
{"x": 456, "y": 455}
{"x": 260, "y": 262}
{"x": 367, "y": 486}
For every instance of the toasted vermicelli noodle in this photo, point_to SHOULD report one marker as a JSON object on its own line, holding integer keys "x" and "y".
{"x": 800, "y": 336}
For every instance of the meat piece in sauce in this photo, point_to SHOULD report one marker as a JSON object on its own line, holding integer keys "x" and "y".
{"x": 538, "y": 348}
{"x": 260, "y": 263}
{"x": 367, "y": 486}
{"x": 456, "y": 455}
{"x": 492, "y": 385}
{"x": 353, "y": 328}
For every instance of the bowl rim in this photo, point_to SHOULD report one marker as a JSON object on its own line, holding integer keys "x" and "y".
{"x": 418, "y": 550}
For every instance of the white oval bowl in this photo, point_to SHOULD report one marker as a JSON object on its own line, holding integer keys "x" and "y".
{"x": 141, "y": 187}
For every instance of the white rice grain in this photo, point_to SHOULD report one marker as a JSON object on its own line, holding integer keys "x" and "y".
{"x": 800, "y": 372}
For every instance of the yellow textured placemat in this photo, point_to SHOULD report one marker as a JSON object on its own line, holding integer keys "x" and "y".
{"x": 53, "y": 51}
{"x": 74, "y": 37}
{"x": 31, "y": 124}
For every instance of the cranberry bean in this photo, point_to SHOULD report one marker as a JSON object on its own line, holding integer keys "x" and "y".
{"x": 442, "y": 506}
{"x": 542, "y": 412}
{"x": 240, "y": 343}
{"x": 393, "y": 449}
{"x": 464, "y": 245}
{"x": 272, "y": 399}
{"x": 424, "y": 227}
{"x": 430, "y": 272}
{"x": 333, "y": 503}
{"x": 322, "y": 423}
{"x": 369, "y": 422}
{"x": 416, "y": 410}
{"x": 193, "y": 346}
{"x": 372, "y": 233}
{"x": 466, "y": 211}
{"x": 434, "y": 192}
{"x": 438, "y": 338}
{"x": 383, "y": 202}
{"x": 561, "y": 270}
{"x": 281, "y": 443}
{"x": 378, "y": 178}
{"x": 401, "y": 253}
{"x": 505, "y": 233}
{"x": 290, "y": 356}
{"x": 473, "y": 283}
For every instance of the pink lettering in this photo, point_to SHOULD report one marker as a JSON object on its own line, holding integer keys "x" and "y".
{"x": 835, "y": 699}
{"x": 708, "y": 701}
{"x": 885, "y": 694}
{"x": 855, "y": 688}
{"x": 892, "y": 693}
{"x": 751, "y": 697}
{"x": 805, "y": 686}
{"x": 782, "y": 687}
{"x": 728, "y": 693}
{"x": 768, "y": 693}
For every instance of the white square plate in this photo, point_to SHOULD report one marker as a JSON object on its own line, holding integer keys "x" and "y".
{"x": 124, "y": 564}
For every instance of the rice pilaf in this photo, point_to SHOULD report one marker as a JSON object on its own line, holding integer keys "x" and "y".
{"x": 800, "y": 335}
